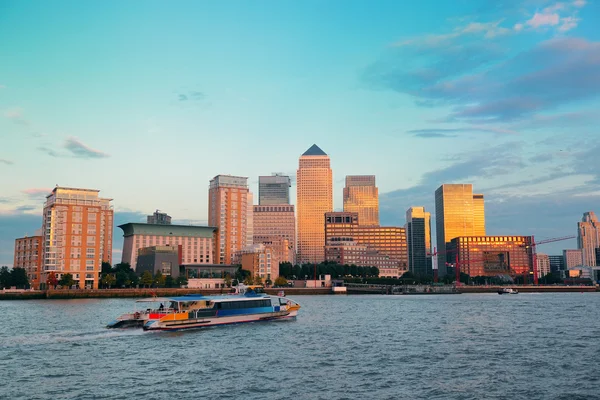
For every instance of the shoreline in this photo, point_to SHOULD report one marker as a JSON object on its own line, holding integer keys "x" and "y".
{"x": 166, "y": 292}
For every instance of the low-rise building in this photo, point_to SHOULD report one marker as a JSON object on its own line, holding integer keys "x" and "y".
{"x": 28, "y": 255}
{"x": 208, "y": 276}
{"x": 158, "y": 258}
{"x": 260, "y": 260}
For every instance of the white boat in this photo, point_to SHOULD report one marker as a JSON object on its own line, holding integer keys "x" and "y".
{"x": 145, "y": 309}
{"x": 508, "y": 291}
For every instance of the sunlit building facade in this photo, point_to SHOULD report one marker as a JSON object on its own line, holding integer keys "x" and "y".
{"x": 260, "y": 260}
{"x": 543, "y": 265}
{"x": 28, "y": 255}
{"x": 77, "y": 235}
{"x": 418, "y": 238}
{"x": 352, "y": 253}
{"x": 362, "y": 196}
{"x": 492, "y": 255}
{"x": 228, "y": 201}
{"x": 276, "y": 225}
{"x": 572, "y": 258}
{"x": 588, "y": 238}
{"x": 274, "y": 189}
{"x": 159, "y": 218}
{"x": 341, "y": 227}
{"x": 458, "y": 212}
{"x": 314, "y": 198}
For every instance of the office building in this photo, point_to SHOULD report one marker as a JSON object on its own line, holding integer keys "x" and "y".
{"x": 28, "y": 255}
{"x": 314, "y": 199}
{"x": 557, "y": 264}
{"x": 194, "y": 243}
{"x": 572, "y": 258}
{"x": 543, "y": 265}
{"x": 158, "y": 258}
{"x": 362, "y": 196}
{"x": 342, "y": 227}
{"x": 588, "y": 238}
{"x": 260, "y": 260}
{"x": 492, "y": 255}
{"x": 274, "y": 189}
{"x": 276, "y": 224}
{"x": 159, "y": 218}
{"x": 228, "y": 200}
{"x": 352, "y": 253}
{"x": 77, "y": 235}
{"x": 418, "y": 238}
{"x": 458, "y": 212}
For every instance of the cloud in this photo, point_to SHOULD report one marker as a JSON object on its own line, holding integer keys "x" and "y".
{"x": 568, "y": 23}
{"x": 193, "y": 95}
{"x": 81, "y": 150}
{"x": 37, "y": 192}
{"x": 450, "y": 132}
{"x": 50, "y": 152}
{"x": 543, "y": 19}
{"x": 183, "y": 97}
{"x": 6, "y": 162}
{"x": 16, "y": 115}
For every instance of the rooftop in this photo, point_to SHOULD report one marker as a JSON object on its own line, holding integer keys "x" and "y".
{"x": 130, "y": 229}
{"x": 314, "y": 151}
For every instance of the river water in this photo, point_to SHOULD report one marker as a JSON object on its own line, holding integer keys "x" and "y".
{"x": 470, "y": 346}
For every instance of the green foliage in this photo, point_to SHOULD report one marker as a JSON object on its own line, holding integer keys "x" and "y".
{"x": 108, "y": 280}
{"x": 5, "y": 280}
{"x": 66, "y": 281}
{"x": 281, "y": 281}
{"x": 227, "y": 280}
{"x": 133, "y": 278}
{"x": 258, "y": 280}
{"x": 242, "y": 274}
{"x": 169, "y": 281}
{"x": 106, "y": 268}
{"x": 182, "y": 281}
{"x": 147, "y": 280}
{"x": 268, "y": 282}
{"x": 248, "y": 280}
{"x": 159, "y": 279}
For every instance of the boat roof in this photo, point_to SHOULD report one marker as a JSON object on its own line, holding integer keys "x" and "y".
{"x": 153, "y": 300}
{"x": 217, "y": 298}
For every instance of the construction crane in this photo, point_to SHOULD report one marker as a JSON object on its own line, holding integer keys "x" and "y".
{"x": 534, "y": 252}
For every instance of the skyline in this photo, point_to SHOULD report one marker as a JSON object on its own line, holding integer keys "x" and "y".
{"x": 136, "y": 102}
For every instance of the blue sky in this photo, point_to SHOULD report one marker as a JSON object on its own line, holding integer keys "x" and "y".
{"x": 148, "y": 100}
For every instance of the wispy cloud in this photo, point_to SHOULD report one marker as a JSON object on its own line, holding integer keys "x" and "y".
{"x": 6, "y": 162}
{"x": 16, "y": 115}
{"x": 193, "y": 95}
{"x": 81, "y": 150}
{"x": 452, "y": 132}
{"x": 36, "y": 192}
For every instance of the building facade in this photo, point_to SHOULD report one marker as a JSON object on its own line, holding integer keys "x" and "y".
{"x": 196, "y": 243}
{"x": 588, "y": 238}
{"x": 341, "y": 227}
{"x": 492, "y": 255}
{"x": 228, "y": 212}
{"x": 543, "y": 265}
{"x": 349, "y": 253}
{"x": 159, "y": 258}
{"x": 362, "y": 196}
{"x": 274, "y": 189}
{"x": 77, "y": 234}
{"x": 557, "y": 263}
{"x": 28, "y": 255}
{"x": 458, "y": 212}
{"x": 314, "y": 199}
{"x": 260, "y": 260}
{"x": 159, "y": 218}
{"x": 572, "y": 258}
{"x": 418, "y": 238}
{"x": 276, "y": 224}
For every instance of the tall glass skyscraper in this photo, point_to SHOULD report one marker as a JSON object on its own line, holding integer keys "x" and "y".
{"x": 362, "y": 196}
{"x": 274, "y": 189}
{"x": 588, "y": 237}
{"x": 314, "y": 198}
{"x": 418, "y": 237}
{"x": 458, "y": 212}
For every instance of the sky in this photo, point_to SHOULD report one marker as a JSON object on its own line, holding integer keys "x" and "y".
{"x": 148, "y": 100}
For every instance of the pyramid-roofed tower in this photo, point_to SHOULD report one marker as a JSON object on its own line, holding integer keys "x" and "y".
{"x": 314, "y": 151}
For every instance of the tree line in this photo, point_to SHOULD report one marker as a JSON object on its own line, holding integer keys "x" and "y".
{"x": 123, "y": 276}
{"x": 17, "y": 277}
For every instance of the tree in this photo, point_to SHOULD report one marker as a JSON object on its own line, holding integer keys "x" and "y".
{"x": 258, "y": 280}
{"x": 248, "y": 280}
{"x": 281, "y": 281}
{"x": 133, "y": 278}
{"x": 18, "y": 277}
{"x": 5, "y": 278}
{"x": 66, "y": 281}
{"x": 147, "y": 280}
{"x": 285, "y": 269}
{"x": 121, "y": 278}
{"x": 51, "y": 280}
{"x": 241, "y": 274}
{"x": 169, "y": 281}
{"x": 106, "y": 268}
{"x": 181, "y": 281}
{"x": 108, "y": 280}
{"x": 227, "y": 280}
{"x": 268, "y": 282}
{"x": 159, "y": 279}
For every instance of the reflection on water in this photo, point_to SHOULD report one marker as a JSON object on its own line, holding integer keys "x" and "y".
{"x": 533, "y": 346}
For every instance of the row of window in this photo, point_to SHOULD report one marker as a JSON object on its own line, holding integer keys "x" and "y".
{"x": 233, "y": 305}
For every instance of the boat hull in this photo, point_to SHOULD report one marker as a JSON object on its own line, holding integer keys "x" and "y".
{"x": 174, "y": 325}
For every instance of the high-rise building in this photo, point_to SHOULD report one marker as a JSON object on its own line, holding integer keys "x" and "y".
{"x": 274, "y": 189}
{"x": 588, "y": 237}
{"x": 228, "y": 212}
{"x": 458, "y": 212}
{"x": 250, "y": 220}
{"x": 28, "y": 255}
{"x": 362, "y": 196}
{"x": 77, "y": 235}
{"x": 314, "y": 198}
{"x": 492, "y": 255}
{"x": 159, "y": 218}
{"x": 344, "y": 227}
{"x": 274, "y": 224}
{"x": 557, "y": 263}
{"x": 418, "y": 237}
{"x": 543, "y": 265}
{"x": 572, "y": 258}
{"x": 195, "y": 244}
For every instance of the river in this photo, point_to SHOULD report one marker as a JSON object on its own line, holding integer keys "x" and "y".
{"x": 470, "y": 346}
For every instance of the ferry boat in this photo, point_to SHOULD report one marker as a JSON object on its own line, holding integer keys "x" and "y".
{"x": 150, "y": 308}
{"x": 198, "y": 311}
{"x": 508, "y": 291}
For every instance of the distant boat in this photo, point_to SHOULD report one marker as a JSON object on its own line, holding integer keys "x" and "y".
{"x": 508, "y": 291}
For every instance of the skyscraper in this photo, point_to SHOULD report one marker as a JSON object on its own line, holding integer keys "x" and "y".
{"x": 458, "y": 212}
{"x": 418, "y": 237}
{"x": 314, "y": 198}
{"x": 228, "y": 212}
{"x": 362, "y": 196}
{"x": 274, "y": 189}
{"x": 159, "y": 218}
{"x": 77, "y": 235}
{"x": 588, "y": 237}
